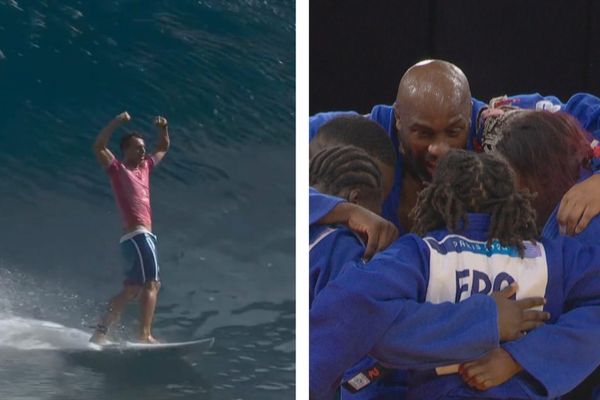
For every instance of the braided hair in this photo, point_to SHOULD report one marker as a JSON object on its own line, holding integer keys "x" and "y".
{"x": 466, "y": 182}
{"x": 338, "y": 170}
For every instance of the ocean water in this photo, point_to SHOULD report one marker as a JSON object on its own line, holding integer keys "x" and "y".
{"x": 222, "y": 72}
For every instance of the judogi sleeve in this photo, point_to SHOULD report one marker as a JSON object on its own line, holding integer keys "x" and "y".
{"x": 356, "y": 311}
{"x": 586, "y": 108}
{"x": 320, "y": 204}
{"x": 426, "y": 335}
{"x": 560, "y": 355}
{"x": 329, "y": 255}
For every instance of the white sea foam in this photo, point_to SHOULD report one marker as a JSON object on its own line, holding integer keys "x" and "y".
{"x": 32, "y": 334}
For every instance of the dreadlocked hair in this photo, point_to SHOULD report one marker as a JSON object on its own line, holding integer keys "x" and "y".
{"x": 466, "y": 182}
{"x": 335, "y": 169}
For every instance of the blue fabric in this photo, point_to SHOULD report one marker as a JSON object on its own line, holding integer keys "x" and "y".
{"x": 559, "y": 355}
{"x": 320, "y": 204}
{"x": 556, "y": 356}
{"x": 386, "y": 325}
{"x": 327, "y": 256}
{"x": 332, "y": 247}
{"x": 400, "y": 333}
{"x": 141, "y": 257}
{"x": 384, "y": 116}
{"x": 395, "y": 386}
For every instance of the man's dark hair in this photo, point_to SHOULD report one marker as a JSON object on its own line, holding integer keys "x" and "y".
{"x": 127, "y": 137}
{"x": 358, "y": 131}
{"x": 466, "y": 182}
{"x": 335, "y": 169}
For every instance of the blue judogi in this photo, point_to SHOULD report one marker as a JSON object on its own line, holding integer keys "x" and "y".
{"x": 392, "y": 386}
{"x": 445, "y": 268}
{"x": 331, "y": 247}
{"x": 320, "y": 204}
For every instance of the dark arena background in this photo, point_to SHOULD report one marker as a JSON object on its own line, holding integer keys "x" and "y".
{"x": 359, "y": 50}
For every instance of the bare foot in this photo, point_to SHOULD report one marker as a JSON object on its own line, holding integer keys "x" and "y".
{"x": 148, "y": 339}
{"x": 99, "y": 338}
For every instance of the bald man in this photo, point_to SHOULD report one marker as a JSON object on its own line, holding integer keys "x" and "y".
{"x": 434, "y": 111}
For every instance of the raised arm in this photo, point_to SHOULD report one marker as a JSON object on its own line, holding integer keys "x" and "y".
{"x": 103, "y": 154}
{"x": 162, "y": 146}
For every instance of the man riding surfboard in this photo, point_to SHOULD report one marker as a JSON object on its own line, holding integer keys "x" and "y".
{"x": 130, "y": 181}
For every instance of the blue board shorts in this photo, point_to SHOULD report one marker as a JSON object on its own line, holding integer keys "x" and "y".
{"x": 139, "y": 250}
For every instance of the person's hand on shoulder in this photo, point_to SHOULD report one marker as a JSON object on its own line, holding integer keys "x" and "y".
{"x": 579, "y": 205}
{"x": 375, "y": 230}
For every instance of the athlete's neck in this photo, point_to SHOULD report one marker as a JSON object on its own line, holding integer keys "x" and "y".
{"x": 132, "y": 164}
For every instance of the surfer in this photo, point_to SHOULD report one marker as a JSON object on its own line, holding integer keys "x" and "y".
{"x": 130, "y": 181}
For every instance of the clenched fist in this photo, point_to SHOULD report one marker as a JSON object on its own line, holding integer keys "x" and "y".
{"x": 160, "y": 122}
{"x": 123, "y": 117}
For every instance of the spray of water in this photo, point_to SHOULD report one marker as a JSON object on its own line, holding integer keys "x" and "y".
{"x": 23, "y": 302}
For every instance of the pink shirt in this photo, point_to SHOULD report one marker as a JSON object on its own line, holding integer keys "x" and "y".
{"x": 132, "y": 191}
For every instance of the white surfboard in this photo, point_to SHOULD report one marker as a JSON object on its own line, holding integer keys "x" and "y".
{"x": 193, "y": 345}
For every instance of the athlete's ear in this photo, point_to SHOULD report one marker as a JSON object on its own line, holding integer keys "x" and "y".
{"x": 397, "y": 122}
{"x": 354, "y": 196}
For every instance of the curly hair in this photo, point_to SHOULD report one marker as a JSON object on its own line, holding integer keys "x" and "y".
{"x": 466, "y": 182}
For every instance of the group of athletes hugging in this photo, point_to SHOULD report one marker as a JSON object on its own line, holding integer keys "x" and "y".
{"x": 455, "y": 245}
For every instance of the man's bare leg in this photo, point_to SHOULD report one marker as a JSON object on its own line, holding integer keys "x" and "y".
{"x": 147, "y": 305}
{"x": 114, "y": 310}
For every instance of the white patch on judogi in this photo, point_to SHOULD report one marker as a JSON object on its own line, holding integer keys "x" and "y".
{"x": 460, "y": 267}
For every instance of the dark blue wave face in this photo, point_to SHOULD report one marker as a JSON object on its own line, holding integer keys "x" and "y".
{"x": 222, "y": 72}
